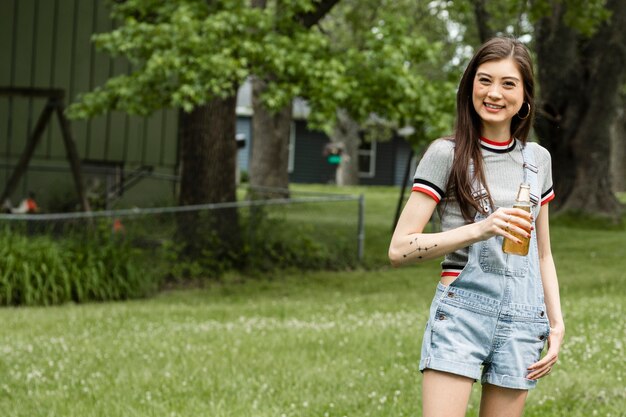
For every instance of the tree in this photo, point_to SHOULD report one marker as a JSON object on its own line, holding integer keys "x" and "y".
{"x": 193, "y": 55}
{"x": 208, "y": 157}
{"x": 581, "y": 70}
{"x": 271, "y": 127}
{"x": 346, "y": 136}
{"x": 581, "y": 60}
{"x": 360, "y": 65}
{"x": 393, "y": 55}
{"x": 618, "y": 147}
{"x": 269, "y": 159}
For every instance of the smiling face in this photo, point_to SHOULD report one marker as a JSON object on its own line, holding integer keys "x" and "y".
{"x": 497, "y": 95}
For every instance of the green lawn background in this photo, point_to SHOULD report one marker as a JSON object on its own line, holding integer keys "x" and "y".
{"x": 300, "y": 344}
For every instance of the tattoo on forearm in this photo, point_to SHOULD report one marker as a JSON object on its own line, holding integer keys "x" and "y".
{"x": 419, "y": 248}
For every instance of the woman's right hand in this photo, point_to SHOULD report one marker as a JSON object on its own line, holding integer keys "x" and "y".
{"x": 504, "y": 222}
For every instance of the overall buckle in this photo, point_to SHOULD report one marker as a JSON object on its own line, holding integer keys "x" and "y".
{"x": 482, "y": 198}
{"x": 534, "y": 199}
{"x": 531, "y": 167}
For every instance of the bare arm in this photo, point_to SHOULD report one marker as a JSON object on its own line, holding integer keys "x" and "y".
{"x": 409, "y": 244}
{"x": 551, "y": 296}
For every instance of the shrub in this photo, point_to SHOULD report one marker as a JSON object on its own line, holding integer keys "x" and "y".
{"x": 269, "y": 239}
{"x": 273, "y": 241}
{"x": 42, "y": 270}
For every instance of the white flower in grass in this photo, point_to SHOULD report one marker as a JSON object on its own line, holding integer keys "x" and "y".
{"x": 34, "y": 374}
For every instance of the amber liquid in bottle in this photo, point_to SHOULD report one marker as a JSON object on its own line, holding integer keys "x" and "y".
{"x": 522, "y": 202}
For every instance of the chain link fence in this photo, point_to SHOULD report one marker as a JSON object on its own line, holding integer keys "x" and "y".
{"x": 264, "y": 231}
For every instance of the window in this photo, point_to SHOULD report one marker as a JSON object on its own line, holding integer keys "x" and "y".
{"x": 367, "y": 159}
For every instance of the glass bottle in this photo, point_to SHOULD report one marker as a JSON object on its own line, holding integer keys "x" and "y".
{"x": 521, "y": 202}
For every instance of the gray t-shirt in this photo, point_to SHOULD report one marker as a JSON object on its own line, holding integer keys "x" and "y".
{"x": 504, "y": 172}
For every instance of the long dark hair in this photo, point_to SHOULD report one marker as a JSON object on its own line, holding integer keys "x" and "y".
{"x": 468, "y": 122}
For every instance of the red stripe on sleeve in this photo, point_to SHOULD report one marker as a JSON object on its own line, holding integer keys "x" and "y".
{"x": 427, "y": 192}
{"x": 548, "y": 198}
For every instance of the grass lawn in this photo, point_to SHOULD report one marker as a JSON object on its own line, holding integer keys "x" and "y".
{"x": 300, "y": 344}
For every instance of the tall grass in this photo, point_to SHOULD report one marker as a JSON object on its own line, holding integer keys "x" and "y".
{"x": 45, "y": 270}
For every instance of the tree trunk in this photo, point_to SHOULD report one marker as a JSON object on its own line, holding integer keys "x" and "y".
{"x": 270, "y": 130}
{"x": 208, "y": 154}
{"x": 270, "y": 145}
{"x": 312, "y": 17}
{"x": 580, "y": 80}
{"x": 618, "y": 149}
{"x": 482, "y": 20}
{"x": 346, "y": 136}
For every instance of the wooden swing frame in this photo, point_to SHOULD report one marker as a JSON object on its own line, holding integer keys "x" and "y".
{"x": 55, "y": 98}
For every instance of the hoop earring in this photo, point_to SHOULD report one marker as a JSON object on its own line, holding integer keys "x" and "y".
{"x": 527, "y": 114}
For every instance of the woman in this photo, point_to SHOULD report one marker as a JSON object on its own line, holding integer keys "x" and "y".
{"x": 492, "y": 312}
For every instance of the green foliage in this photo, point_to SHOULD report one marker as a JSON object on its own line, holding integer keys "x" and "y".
{"x": 285, "y": 240}
{"x": 273, "y": 238}
{"x": 515, "y": 17}
{"x": 44, "y": 270}
{"x": 186, "y": 53}
{"x": 182, "y": 268}
{"x": 583, "y": 15}
{"x": 393, "y": 59}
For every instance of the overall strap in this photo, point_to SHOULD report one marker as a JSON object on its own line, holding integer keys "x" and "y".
{"x": 479, "y": 192}
{"x": 531, "y": 174}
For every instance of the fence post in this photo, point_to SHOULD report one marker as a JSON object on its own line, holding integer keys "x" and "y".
{"x": 361, "y": 231}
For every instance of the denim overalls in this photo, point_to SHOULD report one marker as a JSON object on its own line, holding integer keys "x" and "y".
{"x": 493, "y": 314}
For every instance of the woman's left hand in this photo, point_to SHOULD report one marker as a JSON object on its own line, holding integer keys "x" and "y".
{"x": 544, "y": 366}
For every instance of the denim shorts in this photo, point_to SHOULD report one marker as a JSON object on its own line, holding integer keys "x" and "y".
{"x": 478, "y": 337}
